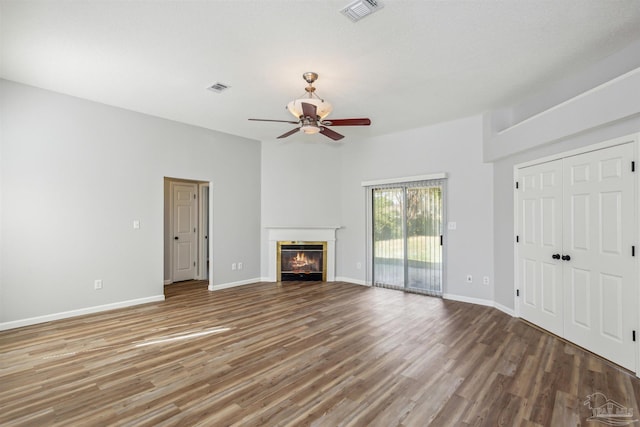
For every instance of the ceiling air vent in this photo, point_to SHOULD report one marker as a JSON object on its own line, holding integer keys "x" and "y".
{"x": 361, "y": 8}
{"x": 218, "y": 87}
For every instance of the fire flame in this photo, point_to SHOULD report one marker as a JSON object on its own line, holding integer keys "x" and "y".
{"x": 301, "y": 263}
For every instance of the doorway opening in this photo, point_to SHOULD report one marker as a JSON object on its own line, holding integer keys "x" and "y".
{"x": 187, "y": 230}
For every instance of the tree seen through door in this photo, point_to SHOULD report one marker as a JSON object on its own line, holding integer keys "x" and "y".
{"x": 407, "y": 247}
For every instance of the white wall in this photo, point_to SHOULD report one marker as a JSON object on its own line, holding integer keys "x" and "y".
{"x": 312, "y": 183}
{"x": 300, "y": 184}
{"x": 598, "y": 104}
{"x": 455, "y": 148}
{"x": 74, "y": 176}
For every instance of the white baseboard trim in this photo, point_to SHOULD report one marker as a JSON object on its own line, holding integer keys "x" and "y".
{"x": 79, "y": 312}
{"x": 480, "y": 301}
{"x": 511, "y": 312}
{"x": 234, "y": 284}
{"x": 471, "y": 300}
{"x": 354, "y": 281}
{"x": 168, "y": 282}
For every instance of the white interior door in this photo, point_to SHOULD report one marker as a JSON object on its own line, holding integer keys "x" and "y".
{"x": 577, "y": 222}
{"x": 539, "y": 245}
{"x": 184, "y": 231}
{"x": 598, "y": 232}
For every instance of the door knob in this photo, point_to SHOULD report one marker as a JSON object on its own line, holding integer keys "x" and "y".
{"x": 175, "y": 238}
{"x": 566, "y": 258}
{"x": 555, "y": 256}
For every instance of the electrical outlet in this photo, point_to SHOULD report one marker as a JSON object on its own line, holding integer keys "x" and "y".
{"x": 452, "y": 225}
{"x": 239, "y": 266}
{"x": 136, "y": 224}
{"x": 469, "y": 278}
{"x": 97, "y": 284}
{"x": 234, "y": 266}
{"x": 358, "y": 265}
{"x": 485, "y": 280}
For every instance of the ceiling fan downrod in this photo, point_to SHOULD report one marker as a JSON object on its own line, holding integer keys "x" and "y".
{"x": 310, "y": 77}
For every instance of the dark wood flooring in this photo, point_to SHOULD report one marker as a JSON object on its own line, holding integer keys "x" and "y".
{"x": 300, "y": 353}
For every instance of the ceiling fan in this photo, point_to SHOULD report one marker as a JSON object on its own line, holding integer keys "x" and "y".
{"x": 311, "y": 112}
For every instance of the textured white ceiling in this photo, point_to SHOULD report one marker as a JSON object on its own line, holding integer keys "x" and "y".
{"x": 413, "y": 63}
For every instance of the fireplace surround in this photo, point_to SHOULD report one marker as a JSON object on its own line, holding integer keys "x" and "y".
{"x": 276, "y": 234}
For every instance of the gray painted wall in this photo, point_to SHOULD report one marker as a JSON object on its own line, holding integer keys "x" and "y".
{"x": 74, "y": 176}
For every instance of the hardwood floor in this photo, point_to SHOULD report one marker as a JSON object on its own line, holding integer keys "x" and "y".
{"x": 300, "y": 353}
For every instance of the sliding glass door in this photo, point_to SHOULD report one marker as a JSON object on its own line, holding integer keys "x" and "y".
{"x": 407, "y": 236}
{"x": 388, "y": 237}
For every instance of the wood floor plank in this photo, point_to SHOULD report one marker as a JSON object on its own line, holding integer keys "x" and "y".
{"x": 299, "y": 354}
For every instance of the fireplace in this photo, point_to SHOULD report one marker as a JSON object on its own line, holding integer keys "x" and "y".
{"x": 321, "y": 234}
{"x": 301, "y": 260}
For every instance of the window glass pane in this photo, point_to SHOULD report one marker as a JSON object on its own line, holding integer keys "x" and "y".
{"x": 388, "y": 239}
{"x": 423, "y": 239}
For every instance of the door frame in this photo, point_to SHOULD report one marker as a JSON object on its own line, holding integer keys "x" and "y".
{"x": 172, "y": 186}
{"x": 204, "y": 210}
{"x": 368, "y": 203}
{"x": 633, "y": 138}
{"x": 201, "y": 185}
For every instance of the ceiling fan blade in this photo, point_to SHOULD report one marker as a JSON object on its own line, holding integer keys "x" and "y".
{"x": 291, "y": 132}
{"x": 346, "y": 122}
{"x": 279, "y": 121}
{"x": 309, "y": 110}
{"x": 331, "y": 134}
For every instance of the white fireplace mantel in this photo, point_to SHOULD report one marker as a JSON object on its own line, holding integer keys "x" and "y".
{"x": 303, "y": 234}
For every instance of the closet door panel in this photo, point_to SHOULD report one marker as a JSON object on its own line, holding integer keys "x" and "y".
{"x": 598, "y": 229}
{"x": 540, "y": 221}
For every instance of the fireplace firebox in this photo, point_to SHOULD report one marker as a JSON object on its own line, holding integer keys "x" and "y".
{"x": 305, "y": 261}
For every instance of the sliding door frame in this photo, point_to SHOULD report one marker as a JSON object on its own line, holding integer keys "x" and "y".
{"x": 368, "y": 196}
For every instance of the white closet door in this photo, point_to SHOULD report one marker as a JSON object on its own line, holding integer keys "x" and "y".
{"x": 598, "y": 230}
{"x": 540, "y": 238}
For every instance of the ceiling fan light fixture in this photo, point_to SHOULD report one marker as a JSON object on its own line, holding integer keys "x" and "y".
{"x": 310, "y": 112}
{"x": 323, "y": 108}
{"x": 309, "y": 129}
